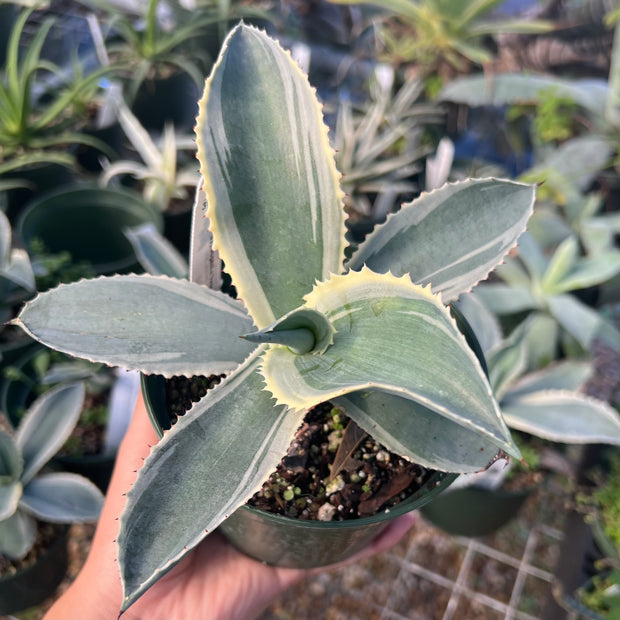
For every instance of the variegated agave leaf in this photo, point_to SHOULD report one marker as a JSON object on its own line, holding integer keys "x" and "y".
{"x": 222, "y": 458}
{"x": 486, "y": 217}
{"x": 273, "y": 194}
{"x": 141, "y": 322}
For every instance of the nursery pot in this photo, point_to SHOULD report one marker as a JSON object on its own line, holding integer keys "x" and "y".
{"x": 38, "y": 179}
{"x": 89, "y": 223}
{"x": 32, "y": 585}
{"x": 295, "y": 543}
{"x": 475, "y": 511}
{"x": 164, "y": 100}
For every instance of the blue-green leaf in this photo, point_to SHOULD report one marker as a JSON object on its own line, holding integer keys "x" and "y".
{"x": 273, "y": 194}
{"x": 223, "y": 449}
{"x": 485, "y": 216}
{"x": 147, "y": 323}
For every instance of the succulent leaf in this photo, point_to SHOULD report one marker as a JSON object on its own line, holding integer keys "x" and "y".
{"x": 452, "y": 258}
{"x": 585, "y": 324}
{"x": 147, "y": 323}
{"x": 418, "y": 433}
{"x": 19, "y": 270}
{"x": 394, "y": 336}
{"x": 504, "y": 299}
{"x": 272, "y": 188}
{"x": 47, "y": 425}
{"x": 5, "y": 241}
{"x": 247, "y": 437}
{"x": 507, "y": 361}
{"x": 561, "y": 263}
{"x": 10, "y": 494}
{"x": 482, "y": 321}
{"x": 11, "y": 461}
{"x": 591, "y": 271}
{"x": 570, "y": 375}
{"x": 563, "y": 416}
{"x": 303, "y": 330}
{"x": 17, "y": 534}
{"x": 62, "y": 497}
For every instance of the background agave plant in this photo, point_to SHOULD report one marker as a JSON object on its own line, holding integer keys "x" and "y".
{"x": 375, "y": 336}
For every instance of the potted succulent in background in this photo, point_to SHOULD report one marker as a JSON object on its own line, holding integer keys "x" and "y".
{"x": 17, "y": 283}
{"x": 164, "y": 179}
{"x": 35, "y": 505}
{"x": 36, "y": 134}
{"x": 444, "y": 36}
{"x": 157, "y": 62}
{"x": 380, "y": 146}
{"x": 108, "y": 404}
{"x": 547, "y": 403}
{"x": 376, "y": 340}
{"x": 87, "y": 221}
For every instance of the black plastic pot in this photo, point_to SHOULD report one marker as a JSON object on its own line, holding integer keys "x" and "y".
{"x": 177, "y": 228}
{"x": 475, "y": 511}
{"x": 89, "y": 223}
{"x": 283, "y": 541}
{"x": 90, "y": 157}
{"x": 173, "y": 99}
{"x": 38, "y": 179}
{"x": 34, "y": 584}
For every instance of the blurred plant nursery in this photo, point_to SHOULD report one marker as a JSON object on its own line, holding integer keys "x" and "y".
{"x": 373, "y": 247}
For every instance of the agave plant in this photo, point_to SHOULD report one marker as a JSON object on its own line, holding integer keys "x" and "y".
{"x": 373, "y": 336}
{"x": 36, "y": 129}
{"x": 534, "y": 282}
{"x": 27, "y": 494}
{"x": 547, "y": 402}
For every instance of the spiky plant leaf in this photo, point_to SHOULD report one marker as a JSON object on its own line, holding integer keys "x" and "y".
{"x": 147, "y": 323}
{"x": 590, "y": 271}
{"x": 62, "y": 497}
{"x": 205, "y": 266}
{"x": 453, "y": 448}
{"x": 19, "y": 270}
{"x": 482, "y": 321}
{"x": 247, "y": 436}
{"x": 568, "y": 375}
{"x": 272, "y": 188}
{"x": 513, "y": 88}
{"x": 452, "y": 258}
{"x": 393, "y": 336}
{"x": 47, "y": 425}
{"x": 11, "y": 461}
{"x": 561, "y": 416}
{"x": 585, "y": 324}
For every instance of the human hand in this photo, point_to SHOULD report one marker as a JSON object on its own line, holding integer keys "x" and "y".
{"x": 213, "y": 582}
